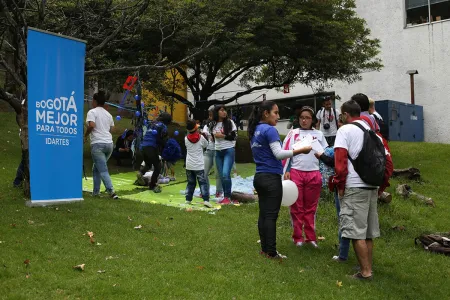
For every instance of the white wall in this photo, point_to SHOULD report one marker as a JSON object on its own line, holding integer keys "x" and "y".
{"x": 425, "y": 48}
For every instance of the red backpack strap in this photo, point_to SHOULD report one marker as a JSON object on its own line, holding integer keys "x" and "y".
{"x": 368, "y": 121}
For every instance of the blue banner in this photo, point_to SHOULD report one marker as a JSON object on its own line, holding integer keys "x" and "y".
{"x": 55, "y": 116}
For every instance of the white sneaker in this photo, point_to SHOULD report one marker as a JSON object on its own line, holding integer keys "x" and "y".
{"x": 299, "y": 244}
{"x": 188, "y": 202}
{"x": 314, "y": 244}
{"x": 207, "y": 204}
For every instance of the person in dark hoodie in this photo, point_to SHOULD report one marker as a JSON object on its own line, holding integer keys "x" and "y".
{"x": 122, "y": 150}
{"x": 152, "y": 145}
{"x": 195, "y": 165}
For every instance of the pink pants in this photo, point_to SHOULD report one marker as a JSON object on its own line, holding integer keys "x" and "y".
{"x": 303, "y": 211}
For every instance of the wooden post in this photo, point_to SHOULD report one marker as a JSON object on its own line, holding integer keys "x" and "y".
{"x": 412, "y": 88}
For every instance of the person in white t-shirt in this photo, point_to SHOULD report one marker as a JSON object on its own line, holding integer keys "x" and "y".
{"x": 195, "y": 166}
{"x": 210, "y": 155}
{"x": 99, "y": 124}
{"x": 303, "y": 169}
{"x": 224, "y": 133}
{"x": 358, "y": 217}
{"x": 327, "y": 120}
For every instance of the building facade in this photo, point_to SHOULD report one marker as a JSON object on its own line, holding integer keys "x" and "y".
{"x": 414, "y": 35}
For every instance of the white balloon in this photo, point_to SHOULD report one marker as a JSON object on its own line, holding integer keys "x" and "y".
{"x": 290, "y": 193}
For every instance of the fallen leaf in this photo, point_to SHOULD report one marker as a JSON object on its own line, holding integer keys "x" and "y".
{"x": 130, "y": 219}
{"x": 27, "y": 276}
{"x": 171, "y": 244}
{"x": 321, "y": 238}
{"x": 69, "y": 210}
{"x": 114, "y": 284}
{"x": 90, "y": 233}
{"x": 138, "y": 227}
{"x": 339, "y": 283}
{"x": 27, "y": 262}
{"x": 301, "y": 271}
{"x": 98, "y": 244}
{"x": 200, "y": 267}
{"x": 189, "y": 209}
{"x": 30, "y": 222}
{"x": 101, "y": 271}
{"x": 13, "y": 225}
{"x": 79, "y": 267}
{"x": 158, "y": 223}
{"x": 110, "y": 257}
{"x": 155, "y": 238}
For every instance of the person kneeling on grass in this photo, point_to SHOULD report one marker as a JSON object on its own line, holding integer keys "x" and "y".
{"x": 154, "y": 141}
{"x": 122, "y": 149}
{"x": 195, "y": 165}
{"x": 267, "y": 154}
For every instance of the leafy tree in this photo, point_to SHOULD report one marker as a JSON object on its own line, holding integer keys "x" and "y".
{"x": 266, "y": 44}
{"x": 122, "y": 37}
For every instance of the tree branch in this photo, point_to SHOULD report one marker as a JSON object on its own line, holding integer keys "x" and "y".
{"x": 13, "y": 101}
{"x": 149, "y": 67}
{"x": 249, "y": 91}
{"x": 125, "y": 22}
{"x": 237, "y": 72}
{"x": 179, "y": 98}
{"x": 12, "y": 73}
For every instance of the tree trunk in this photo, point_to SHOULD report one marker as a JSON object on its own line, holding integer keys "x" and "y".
{"x": 25, "y": 149}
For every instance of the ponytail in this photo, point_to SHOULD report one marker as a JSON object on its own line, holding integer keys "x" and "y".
{"x": 257, "y": 115}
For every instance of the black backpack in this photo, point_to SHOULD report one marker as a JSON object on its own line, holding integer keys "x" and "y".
{"x": 371, "y": 161}
{"x": 384, "y": 128}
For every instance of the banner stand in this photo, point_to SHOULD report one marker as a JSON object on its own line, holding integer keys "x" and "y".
{"x": 30, "y": 203}
{"x": 55, "y": 69}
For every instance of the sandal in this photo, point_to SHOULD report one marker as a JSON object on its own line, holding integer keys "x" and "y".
{"x": 360, "y": 276}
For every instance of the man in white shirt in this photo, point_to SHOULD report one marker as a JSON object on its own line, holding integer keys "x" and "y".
{"x": 327, "y": 120}
{"x": 358, "y": 219}
{"x": 99, "y": 124}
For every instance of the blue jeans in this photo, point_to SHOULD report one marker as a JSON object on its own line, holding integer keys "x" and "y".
{"x": 100, "y": 154}
{"x": 224, "y": 163}
{"x": 344, "y": 244}
{"x": 192, "y": 178}
{"x": 209, "y": 156}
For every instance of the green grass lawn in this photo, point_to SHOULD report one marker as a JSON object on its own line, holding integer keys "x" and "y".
{"x": 193, "y": 255}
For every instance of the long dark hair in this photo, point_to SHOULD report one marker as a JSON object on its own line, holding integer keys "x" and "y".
{"x": 227, "y": 125}
{"x": 256, "y": 116}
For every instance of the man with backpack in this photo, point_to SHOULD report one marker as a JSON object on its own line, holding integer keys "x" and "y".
{"x": 360, "y": 167}
{"x": 328, "y": 121}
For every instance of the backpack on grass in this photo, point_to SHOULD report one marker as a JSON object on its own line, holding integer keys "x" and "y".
{"x": 371, "y": 161}
{"x": 435, "y": 243}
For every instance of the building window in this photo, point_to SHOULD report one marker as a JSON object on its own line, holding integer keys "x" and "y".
{"x": 426, "y": 11}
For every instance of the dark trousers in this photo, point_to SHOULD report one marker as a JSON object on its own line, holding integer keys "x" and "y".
{"x": 330, "y": 140}
{"x": 19, "y": 174}
{"x": 150, "y": 156}
{"x": 192, "y": 178}
{"x": 121, "y": 155}
{"x": 270, "y": 192}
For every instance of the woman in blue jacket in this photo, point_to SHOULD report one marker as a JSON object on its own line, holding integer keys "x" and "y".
{"x": 267, "y": 154}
